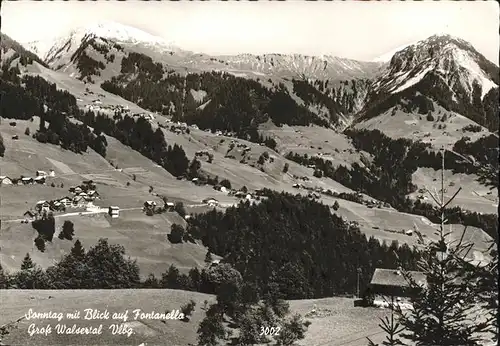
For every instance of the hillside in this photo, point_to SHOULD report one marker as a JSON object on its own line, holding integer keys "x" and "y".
{"x": 229, "y": 158}
{"x": 325, "y": 328}
{"x": 235, "y": 159}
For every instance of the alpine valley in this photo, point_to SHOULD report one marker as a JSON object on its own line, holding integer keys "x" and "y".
{"x": 305, "y": 173}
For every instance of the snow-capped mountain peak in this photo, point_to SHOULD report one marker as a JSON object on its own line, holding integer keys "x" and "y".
{"x": 50, "y": 50}
{"x": 452, "y": 59}
{"x": 123, "y": 33}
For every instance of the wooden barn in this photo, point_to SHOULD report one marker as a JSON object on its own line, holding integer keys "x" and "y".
{"x": 391, "y": 283}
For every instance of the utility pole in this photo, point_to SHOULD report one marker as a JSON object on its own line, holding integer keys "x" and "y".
{"x": 357, "y": 283}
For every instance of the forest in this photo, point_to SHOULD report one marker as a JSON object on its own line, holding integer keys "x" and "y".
{"x": 38, "y": 97}
{"x": 139, "y": 135}
{"x": 312, "y": 262}
{"x": 312, "y": 96}
{"x": 320, "y": 253}
{"x": 232, "y": 104}
{"x": 55, "y": 108}
{"x": 389, "y": 176}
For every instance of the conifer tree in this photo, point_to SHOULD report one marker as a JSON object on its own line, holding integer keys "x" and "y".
{"x": 392, "y": 329}
{"x": 27, "y": 263}
{"x": 446, "y": 310}
{"x": 211, "y": 329}
{"x": 77, "y": 251}
{"x": 208, "y": 257}
{"x": 4, "y": 279}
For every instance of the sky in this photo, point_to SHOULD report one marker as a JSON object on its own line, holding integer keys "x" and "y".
{"x": 362, "y": 30}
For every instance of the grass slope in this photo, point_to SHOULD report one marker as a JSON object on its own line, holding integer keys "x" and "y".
{"x": 144, "y": 237}
{"x": 338, "y": 321}
{"x": 396, "y": 123}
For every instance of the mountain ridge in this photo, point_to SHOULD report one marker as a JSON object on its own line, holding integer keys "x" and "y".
{"x": 283, "y": 65}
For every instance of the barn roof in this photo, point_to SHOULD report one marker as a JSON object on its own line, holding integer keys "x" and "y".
{"x": 391, "y": 277}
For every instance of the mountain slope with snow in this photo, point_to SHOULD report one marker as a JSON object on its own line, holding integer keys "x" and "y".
{"x": 58, "y": 52}
{"x": 52, "y": 50}
{"x": 455, "y": 60}
{"x": 441, "y": 69}
{"x": 307, "y": 67}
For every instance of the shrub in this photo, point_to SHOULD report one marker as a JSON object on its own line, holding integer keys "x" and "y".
{"x": 68, "y": 231}
{"x": 472, "y": 128}
{"x": 179, "y": 208}
{"x": 226, "y": 183}
{"x": 285, "y": 168}
{"x": 176, "y": 234}
{"x": 40, "y": 243}
{"x": 318, "y": 173}
{"x": 336, "y": 206}
{"x": 188, "y": 309}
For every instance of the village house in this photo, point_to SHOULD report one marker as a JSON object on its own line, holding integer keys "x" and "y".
{"x": 66, "y": 201}
{"x": 57, "y": 206}
{"x": 212, "y": 202}
{"x": 29, "y": 216}
{"x": 78, "y": 202}
{"x": 93, "y": 193}
{"x": 114, "y": 212}
{"x": 42, "y": 206}
{"x": 4, "y": 180}
{"x": 240, "y": 194}
{"x": 169, "y": 206}
{"x": 149, "y": 206}
{"x": 40, "y": 180}
{"x": 41, "y": 174}
{"x": 391, "y": 283}
{"x": 214, "y": 263}
{"x": 27, "y": 180}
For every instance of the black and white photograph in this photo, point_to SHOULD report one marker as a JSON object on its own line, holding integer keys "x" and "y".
{"x": 236, "y": 173}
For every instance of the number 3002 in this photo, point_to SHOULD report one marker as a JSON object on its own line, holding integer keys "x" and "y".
{"x": 269, "y": 331}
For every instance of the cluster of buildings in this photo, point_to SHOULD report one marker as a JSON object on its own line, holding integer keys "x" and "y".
{"x": 40, "y": 178}
{"x": 79, "y": 200}
{"x": 148, "y": 116}
{"x": 211, "y": 202}
{"x": 151, "y": 206}
{"x": 97, "y": 106}
{"x": 204, "y": 153}
{"x": 178, "y": 127}
{"x": 243, "y": 147}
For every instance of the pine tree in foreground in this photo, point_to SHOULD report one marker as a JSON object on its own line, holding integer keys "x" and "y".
{"x": 446, "y": 309}
{"x": 486, "y": 277}
{"x": 392, "y": 329}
